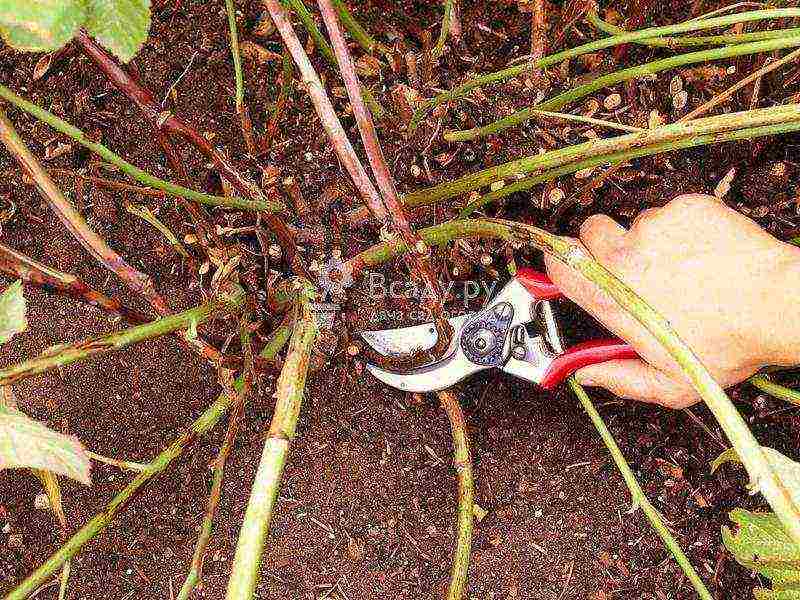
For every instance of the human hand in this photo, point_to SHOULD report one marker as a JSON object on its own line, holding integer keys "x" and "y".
{"x": 726, "y": 286}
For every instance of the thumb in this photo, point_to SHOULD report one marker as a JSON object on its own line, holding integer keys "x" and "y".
{"x": 637, "y": 380}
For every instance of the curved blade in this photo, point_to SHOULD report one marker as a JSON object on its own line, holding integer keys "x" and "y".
{"x": 430, "y": 378}
{"x": 408, "y": 339}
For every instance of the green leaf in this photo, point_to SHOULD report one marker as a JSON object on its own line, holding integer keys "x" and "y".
{"x": 12, "y": 311}
{"x": 28, "y": 443}
{"x": 730, "y": 455}
{"x": 785, "y": 594}
{"x": 761, "y": 543}
{"x": 40, "y": 25}
{"x": 119, "y": 25}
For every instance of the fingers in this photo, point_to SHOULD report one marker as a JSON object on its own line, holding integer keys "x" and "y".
{"x": 636, "y": 380}
{"x": 604, "y": 238}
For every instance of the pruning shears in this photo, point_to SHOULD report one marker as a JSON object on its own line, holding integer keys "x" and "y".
{"x": 516, "y": 332}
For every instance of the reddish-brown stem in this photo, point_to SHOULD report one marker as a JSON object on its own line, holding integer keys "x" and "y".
{"x": 73, "y": 221}
{"x": 324, "y": 108}
{"x": 419, "y": 257}
{"x": 19, "y": 266}
{"x": 538, "y": 31}
{"x": 166, "y": 122}
{"x": 93, "y": 243}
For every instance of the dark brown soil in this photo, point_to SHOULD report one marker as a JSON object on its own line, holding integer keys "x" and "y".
{"x": 367, "y": 505}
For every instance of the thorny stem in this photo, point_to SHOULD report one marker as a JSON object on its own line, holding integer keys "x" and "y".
{"x": 324, "y": 108}
{"x": 204, "y": 423}
{"x": 445, "y": 30}
{"x": 301, "y": 11}
{"x": 720, "y": 98}
{"x": 602, "y": 147}
{"x": 241, "y": 108}
{"x": 196, "y": 568}
{"x": 682, "y": 42}
{"x": 637, "y": 494}
{"x": 263, "y": 496}
{"x": 619, "y": 158}
{"x": 66, "y": 354}
{"x": 624, "y": 75}
{"x": 73, "y": 221}
{"x": 360, "y": 35}
{"x": 462, "y": 461}
{"x": 766, "y": 385}
{"x": 420, "y": 256}
{"x": 18, "y": 266}
{"x": 145, "y": 178}
{"x": 608, "y": 42}
{"x": 169, "y": 123}
{"x": 434, "y": 236}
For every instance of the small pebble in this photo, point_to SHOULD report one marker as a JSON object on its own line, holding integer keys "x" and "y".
{"x": 309, "y": 156}
{"x": 555, "y": 196}
{"x": 415, "y": 170}
{"x": 41, "y": 502}
{"x": 486, "y": 260}
{"x": 654, "y": 119}
{"x": 275, "y": 252}
{"x": 612, "y": 101}
{"x": 353, "y": 350}
{"x": 675, "y": 85}
{"x": 680, "y": 99}
{"x": 497, "y": 185}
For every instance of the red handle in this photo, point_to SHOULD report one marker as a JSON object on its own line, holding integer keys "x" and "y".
{"x": 583, "y": 355}
{"x": 538, "y": 284}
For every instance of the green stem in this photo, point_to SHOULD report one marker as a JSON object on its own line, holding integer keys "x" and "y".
{"x": 230, "y": 8}
{"x": 766, "y": 385}
{"x": 446, "y": 19}
{"x": 242, "y": 387}
{"x": 325, "y": 49}
{"x": 170, "y": 188}
{"x": 637, "y": 494}
{"x": 204, "y": 423}
{"x": 624, "y": 156}
{"x": 714, "y": 126}
{"x": 619, "y": 76}
{"x": 63, "y": 355}
{"x": 241, "y": 109}
{"x": 433, "y": 236}
{"x": 682, "y": 42}
{"x": 360, "y": 35}
{"x": 466, "y": 495}
{"x": 263, "y": 496}
{"x": 608, "y": 42}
